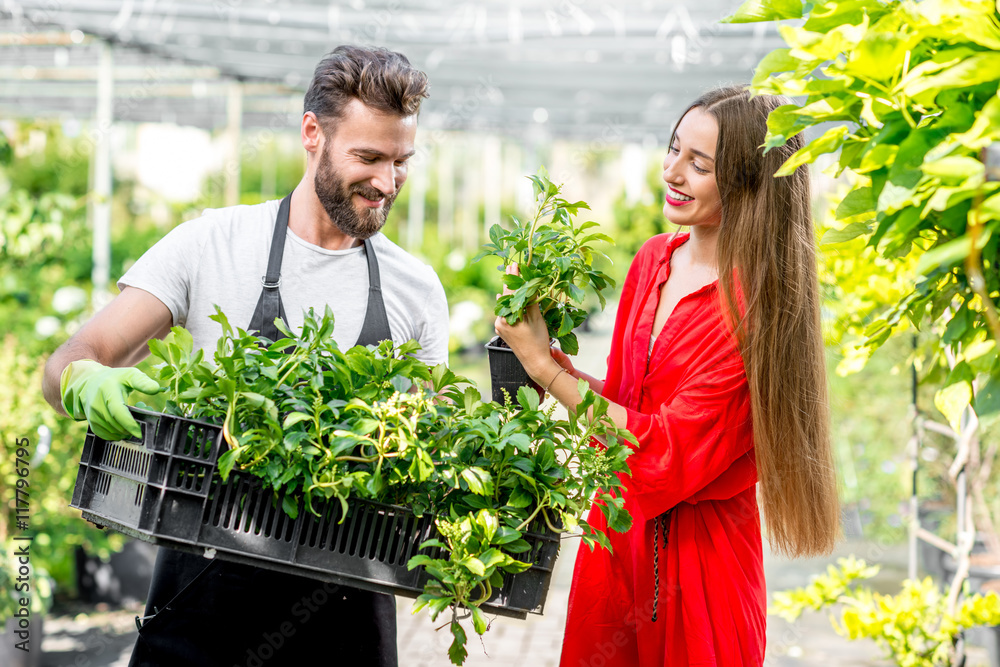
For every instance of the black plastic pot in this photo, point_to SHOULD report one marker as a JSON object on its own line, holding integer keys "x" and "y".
{"x": 506, "y": 371}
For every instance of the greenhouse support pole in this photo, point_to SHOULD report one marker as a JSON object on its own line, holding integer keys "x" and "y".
{"x": 492, "y": 183}
{"x": 968, "y": 425}
{"x": 962, "y": 516}
{"x": 446, "y": 190}
{"x": 966, "y": 533}
{"x": 101, "y": 199}
{"x": 633, "y": 171}
{"x": 470, "y": 197}
{"x": 234, "y": 127}
{"x": 415, "y": 211}
{"x": 962, "y": 561}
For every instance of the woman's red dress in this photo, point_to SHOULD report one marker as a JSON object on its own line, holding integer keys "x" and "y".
{"x": 690, "y": 411}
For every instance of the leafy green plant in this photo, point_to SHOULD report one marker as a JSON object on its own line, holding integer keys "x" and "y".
{"x": 279, "y": 403}
{"x": 555, "y": 262}
{"x": 914, "y": 628}
{"x": 323, "y": 425}
{"x": 538, "y": 472}
{"x": 912, "y": 88}
{"x": 14, "y": 588}
{"x": 8, "y": 596}
{"x": 48, "y": 483}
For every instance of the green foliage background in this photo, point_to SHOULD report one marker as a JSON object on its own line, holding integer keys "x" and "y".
{"x": 893, "y": 258}
{"x": 913, "y": 628}
{"x": 902, "y": 98}
{"x": 911, "y": 91}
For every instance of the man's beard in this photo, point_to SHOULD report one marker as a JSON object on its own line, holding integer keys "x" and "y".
{"x": 336, "y": 199}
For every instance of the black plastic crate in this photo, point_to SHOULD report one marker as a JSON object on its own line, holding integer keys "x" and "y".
{"x": 163, "y": 489}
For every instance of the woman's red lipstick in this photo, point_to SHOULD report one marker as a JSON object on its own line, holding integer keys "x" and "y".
{"x": 676, "y": 202}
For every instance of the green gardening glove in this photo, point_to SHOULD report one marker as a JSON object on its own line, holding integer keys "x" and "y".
{"x": 97, "y": 393}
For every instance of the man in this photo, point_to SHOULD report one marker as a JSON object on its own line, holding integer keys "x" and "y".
{"x": 358, "y": 130}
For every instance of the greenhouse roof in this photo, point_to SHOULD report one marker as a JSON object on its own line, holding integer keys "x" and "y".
{"x": 584, "y": 70}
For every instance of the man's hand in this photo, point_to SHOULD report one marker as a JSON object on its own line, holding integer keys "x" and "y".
{"x": 97, "y": 393}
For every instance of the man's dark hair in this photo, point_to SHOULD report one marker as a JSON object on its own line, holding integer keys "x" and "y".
{"x": 379, "y": 78}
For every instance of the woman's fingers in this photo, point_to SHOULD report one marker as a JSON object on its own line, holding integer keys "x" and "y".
{"x": 562, "y": 359}
{"x": 511, "y": 270}
{"x": 529, "y": 332}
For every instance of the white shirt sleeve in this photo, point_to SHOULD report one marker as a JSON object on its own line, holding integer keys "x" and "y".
{"x": 433, "y": 333}
{"x": 167, "y": 269}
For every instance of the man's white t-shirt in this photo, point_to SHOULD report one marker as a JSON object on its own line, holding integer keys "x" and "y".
{"x": 220, "y": 258}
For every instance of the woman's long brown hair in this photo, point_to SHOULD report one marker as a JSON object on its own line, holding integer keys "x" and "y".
{"x": 767, "y": 271}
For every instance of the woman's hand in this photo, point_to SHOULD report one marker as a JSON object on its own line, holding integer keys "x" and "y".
{"x": 529, "y": 340}
{"x": 563, "y": 360}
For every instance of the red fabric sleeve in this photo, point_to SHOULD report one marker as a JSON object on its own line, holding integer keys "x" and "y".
{"x": 692, "y": 440}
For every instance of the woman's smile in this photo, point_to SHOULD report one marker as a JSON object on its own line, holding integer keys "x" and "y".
{"x": 677, "y": 198}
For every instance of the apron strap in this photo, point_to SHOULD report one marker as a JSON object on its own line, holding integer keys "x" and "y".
{"x": 376, "y": 326}
{"x": 269, "y": 304}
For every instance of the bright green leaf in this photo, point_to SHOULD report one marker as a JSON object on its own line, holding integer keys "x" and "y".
{"x": 851, "y": 231}
{"x": 479, "y": 621}
{"x": 828, "y": 143}
{"x": 954, "y": 167}
{"x": 952, "y": 400}
{"x": 753, "y": 11}
{"x": 858, "y": 201}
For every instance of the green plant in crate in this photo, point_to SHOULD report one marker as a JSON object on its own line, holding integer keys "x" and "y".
{"x": 914, "y": 628}
{"x": 282, "y": 406}
{"x": 320, "y": 425}
{"x": 555, "y": 263}
{"x": 534, "y": 471}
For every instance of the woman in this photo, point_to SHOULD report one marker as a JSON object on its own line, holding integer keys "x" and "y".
{"x": 717, "y": 368}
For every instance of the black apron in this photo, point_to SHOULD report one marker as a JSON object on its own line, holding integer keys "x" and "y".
{"x": 224, "y": 614}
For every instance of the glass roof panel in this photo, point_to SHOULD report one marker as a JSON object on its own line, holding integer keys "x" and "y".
{"x": 574, "y": 68}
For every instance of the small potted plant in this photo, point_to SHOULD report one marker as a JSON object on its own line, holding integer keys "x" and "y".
{"x": 554, "y": 258}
